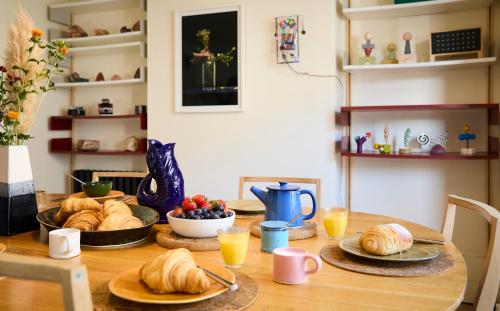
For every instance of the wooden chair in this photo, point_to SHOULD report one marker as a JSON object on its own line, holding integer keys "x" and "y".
{"x": 72, "y": 276}
{"x": 314, "y": 181}
{"x": 488, "y": 286}
{"x": 97, "y": 175}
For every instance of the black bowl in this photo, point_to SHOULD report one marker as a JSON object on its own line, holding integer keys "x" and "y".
{"x": 147, "y": 215}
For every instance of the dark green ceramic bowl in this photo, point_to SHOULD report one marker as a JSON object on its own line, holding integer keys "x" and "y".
{"x": 123, "y": 237}
{"x": 94, "y": 189}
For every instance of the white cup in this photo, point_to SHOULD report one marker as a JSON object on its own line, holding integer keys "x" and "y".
{"x": 64, "y": 243}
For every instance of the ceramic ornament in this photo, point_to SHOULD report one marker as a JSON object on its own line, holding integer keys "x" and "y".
{"x": 391, "y": 54}
{"x": 467, "y": 136}
{"x": 385, "y": 148}
{"x": 368, "y": 47}
{"x": 406, "y": 149}
{"x": 408, "y": 56}
{"x": 438, "y": 146}
{"x": 360, "y": 140}
{"x": 423, "y": 139}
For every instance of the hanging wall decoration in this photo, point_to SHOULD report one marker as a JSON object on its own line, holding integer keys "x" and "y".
{"x": 209, "y": 59}
{"x": 287, "y": 35}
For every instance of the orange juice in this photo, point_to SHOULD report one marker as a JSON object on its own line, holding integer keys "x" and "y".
{"x": 233, "y": 245}
{"x": 335, "y": 222}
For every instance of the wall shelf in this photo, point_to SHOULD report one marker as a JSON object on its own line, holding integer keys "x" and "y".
{"x": 413, "y": 9}
{"x": 64, "y": 146}
{"x": 65, "y": 123}
{"x": 100, "y": 152}
{"x": 61, "y": 13}
{"x": 438, "y": 65}
{"x": 419, "y": 107}
{"x": 422, "y": 156}
{"x": 107, "y": 49}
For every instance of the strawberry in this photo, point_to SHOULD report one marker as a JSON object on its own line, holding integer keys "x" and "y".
{"x": 188, "y": 204}
{"x": 199, "y": 199}
{"x": 177, "y": 211}
{"x": 206, "y": 205}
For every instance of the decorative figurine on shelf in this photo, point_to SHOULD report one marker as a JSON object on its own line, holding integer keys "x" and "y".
{"x": 438, "y": 147}
{"x": 360, "y": 140}
{"x": 467, "y": 135}
{"x": 391, "y": 54}
{"x": 368, "y": 48}
{"x": 408, "y": 56}
{"x": 406, "y": 143}
{"x": 423, "y": 139}
{"x": 385, "y": 148}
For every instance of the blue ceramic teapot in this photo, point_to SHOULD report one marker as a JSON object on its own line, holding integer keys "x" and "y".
{"x": 282, "y": 202}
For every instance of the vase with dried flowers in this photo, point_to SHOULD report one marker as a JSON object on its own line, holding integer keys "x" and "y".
{"x": 209, "y": 60}
{"x": 27, "y": 74}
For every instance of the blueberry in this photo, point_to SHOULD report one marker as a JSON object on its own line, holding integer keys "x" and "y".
{"x": 229, "y": 214}
{"x": 197, "y": 211}
{"x": 216, "y": 216}
{"x": 182, "y": 216}
{"x": 197, "y": 217}
{"x": 190, "y": 213}
{"x": 223, "y": 215}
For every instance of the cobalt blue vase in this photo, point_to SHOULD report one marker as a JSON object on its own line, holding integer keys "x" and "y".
{"x": 163, "y": 168}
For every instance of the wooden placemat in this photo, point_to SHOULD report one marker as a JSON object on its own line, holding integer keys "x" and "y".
{"x": 237, "y": 300}
{"x": 170, "y": 239}
{"x": 250, "y": 216}
{"x": 308, "y": 230}
{"x": 334, "y": 255}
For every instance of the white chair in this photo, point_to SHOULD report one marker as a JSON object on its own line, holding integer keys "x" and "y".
{"x": 488, "y": 286}
{"x": 72, "y": 276}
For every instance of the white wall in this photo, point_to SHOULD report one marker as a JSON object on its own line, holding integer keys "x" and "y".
{"x": 47, "y": 168}
{"x": 287, "y": 128}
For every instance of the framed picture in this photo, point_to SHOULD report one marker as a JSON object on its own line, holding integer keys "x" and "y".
{"x": 209, "y": 59}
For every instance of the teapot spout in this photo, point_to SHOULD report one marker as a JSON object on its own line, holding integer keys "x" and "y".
{"x": 260, "y": 194}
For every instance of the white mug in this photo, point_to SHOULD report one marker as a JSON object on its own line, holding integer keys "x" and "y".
{"x": 64, "y": 243}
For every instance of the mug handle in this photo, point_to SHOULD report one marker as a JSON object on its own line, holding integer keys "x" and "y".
{"x": 69, "y": 248}
{"x": 316, "y": 260}
{"x": 309, "y": 192}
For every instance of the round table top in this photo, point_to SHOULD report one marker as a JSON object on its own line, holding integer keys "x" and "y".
{"x": 332, "y": 288}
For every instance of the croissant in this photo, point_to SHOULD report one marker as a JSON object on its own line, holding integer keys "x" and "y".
{"x": 386, "y": 239}
{"x": 86, "y": 220}
{"x": 174, "y": 271}
{"x": 115, "y": 207}
{"x": 74, "y": 205}
{"x": 119, "y": 222}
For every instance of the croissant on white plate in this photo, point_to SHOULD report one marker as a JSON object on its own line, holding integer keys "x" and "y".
{"x": 386, "y": 239}
{"x": 174, "y": 271}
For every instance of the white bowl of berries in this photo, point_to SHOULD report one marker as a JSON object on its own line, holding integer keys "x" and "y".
{"x": 200, "y": 218}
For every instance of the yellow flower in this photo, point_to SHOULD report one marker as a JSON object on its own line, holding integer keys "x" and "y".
{"x": 13, "y": 115}
{"x": 35, "y": 32}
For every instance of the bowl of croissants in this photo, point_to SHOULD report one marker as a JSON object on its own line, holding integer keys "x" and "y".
{"x": 111, "y": 223}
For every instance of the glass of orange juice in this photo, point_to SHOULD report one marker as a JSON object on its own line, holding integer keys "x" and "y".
{"x": 335, "y": 222}
{"x": 234, "y": 245}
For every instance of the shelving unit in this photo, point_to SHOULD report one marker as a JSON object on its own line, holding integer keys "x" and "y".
{"x": 438, "y": 65}
{"x": 412, "y": 9}
{"x": 98, "y": 46}
{"x": 491, "y": 153}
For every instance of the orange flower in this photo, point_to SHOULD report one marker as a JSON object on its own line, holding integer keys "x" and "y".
{"x": 64, "y": 50}
{"x": 13, "y": 115}
{"x": 35, "y": 32}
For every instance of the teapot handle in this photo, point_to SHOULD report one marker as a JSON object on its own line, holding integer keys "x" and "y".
{"x": 309, "y": 192}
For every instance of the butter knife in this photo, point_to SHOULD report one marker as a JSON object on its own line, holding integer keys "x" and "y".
{"x": 232, "y": 286}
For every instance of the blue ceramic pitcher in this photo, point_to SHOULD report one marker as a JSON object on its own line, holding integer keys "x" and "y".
{"x": 282, "y": 202}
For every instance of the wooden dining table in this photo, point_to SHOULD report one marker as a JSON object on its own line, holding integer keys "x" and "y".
{"x": 332, "y": 288}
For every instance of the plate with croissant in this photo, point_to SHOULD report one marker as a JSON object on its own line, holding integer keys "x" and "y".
{"x": 389, "y": 242}
{"x": 112, "y": 223}
{"x": 171, "y": 278}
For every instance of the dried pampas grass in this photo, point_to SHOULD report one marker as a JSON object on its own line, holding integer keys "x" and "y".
{"x": 17, "y": 53}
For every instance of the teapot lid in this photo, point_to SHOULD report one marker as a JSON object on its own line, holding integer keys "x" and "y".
{"x": 283, "y": 186}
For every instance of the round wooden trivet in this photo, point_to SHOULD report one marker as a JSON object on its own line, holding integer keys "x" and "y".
{"x": 237, "y": 300}
{"x": 308, "y": 230}
{"x": 334, "y": 255}
{"x": 170, "y": 239}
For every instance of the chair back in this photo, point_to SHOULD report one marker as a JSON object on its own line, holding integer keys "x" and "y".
{"x": 490, "y": 281}
{"x": 297, "y": 180}
{"x": 97, "y": 175}
{"x": 72, "y": 276}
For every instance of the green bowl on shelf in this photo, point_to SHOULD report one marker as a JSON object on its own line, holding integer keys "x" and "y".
{"x": 95, "y": 189}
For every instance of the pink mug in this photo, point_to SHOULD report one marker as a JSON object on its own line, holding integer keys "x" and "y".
{"x": 290, "y": 265}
